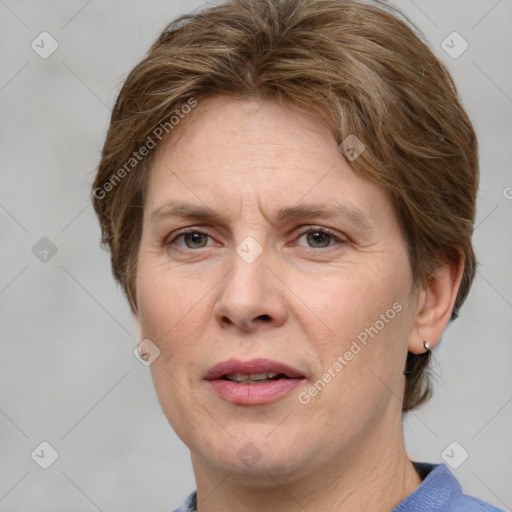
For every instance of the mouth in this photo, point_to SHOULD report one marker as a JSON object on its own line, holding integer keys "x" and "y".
{"x": 254, "y": 378}
{"x": 253, "y": 382}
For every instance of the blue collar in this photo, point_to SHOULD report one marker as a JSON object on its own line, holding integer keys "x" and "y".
{"x": 437, "y": 491}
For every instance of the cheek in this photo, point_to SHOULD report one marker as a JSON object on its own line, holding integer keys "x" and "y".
{"x": 165, "y": 310}
{"x": 341, "y": 304}
{"x": 168, "y": 303}
{"x": 361, "y": 317}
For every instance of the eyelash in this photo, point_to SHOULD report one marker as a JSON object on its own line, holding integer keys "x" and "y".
{"x": 311, "y": 229}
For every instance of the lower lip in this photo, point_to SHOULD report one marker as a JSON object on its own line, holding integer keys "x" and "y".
{"x": 253, "y": 394}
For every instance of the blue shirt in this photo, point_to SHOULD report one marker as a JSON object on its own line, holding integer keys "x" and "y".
{"x": 439, "y": 491}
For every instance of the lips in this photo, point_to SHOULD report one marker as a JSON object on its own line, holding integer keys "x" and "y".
{"x": 254, "y": 382}
{"x": 252, "y": 367}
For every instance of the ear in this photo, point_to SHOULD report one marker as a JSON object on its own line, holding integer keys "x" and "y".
{"x": 435, "y": 305}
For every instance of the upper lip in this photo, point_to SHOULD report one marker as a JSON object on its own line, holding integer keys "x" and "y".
{"x": 258, "y": 365}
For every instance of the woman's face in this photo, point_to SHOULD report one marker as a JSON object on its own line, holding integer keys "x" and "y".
{"x": 324, "y": 298}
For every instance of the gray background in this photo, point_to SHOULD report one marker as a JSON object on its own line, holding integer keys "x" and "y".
{"x": 67, "y": 372}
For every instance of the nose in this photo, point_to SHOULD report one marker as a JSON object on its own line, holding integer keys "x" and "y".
{"x": 251, "y": 297}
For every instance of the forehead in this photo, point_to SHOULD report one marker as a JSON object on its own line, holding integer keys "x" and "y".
{"x": 241, "y": 151}
{"x": 227, "y": 130}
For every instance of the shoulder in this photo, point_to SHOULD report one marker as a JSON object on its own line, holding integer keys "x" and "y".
{"x": 440, "y": 491}
{"x": 470, "y": 504}
{"x": 189, "y": 505}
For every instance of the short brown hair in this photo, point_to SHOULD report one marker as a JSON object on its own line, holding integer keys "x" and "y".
{"x": 363, "y": 68}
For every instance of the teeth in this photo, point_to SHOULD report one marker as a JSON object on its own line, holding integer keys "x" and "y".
{"x": 250, "y": 377}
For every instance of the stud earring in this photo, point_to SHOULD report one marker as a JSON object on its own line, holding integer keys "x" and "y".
{"x": 426, "y": 344}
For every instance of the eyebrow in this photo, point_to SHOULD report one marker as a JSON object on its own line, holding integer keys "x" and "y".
{"x": 204, "y": 213}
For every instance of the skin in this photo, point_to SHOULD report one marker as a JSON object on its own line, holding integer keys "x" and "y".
{"x": 302, "y": 301}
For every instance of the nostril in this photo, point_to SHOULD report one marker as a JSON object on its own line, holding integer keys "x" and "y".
{"x": 264, "y": 317}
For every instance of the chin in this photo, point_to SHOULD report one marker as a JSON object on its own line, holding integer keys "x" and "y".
{"x": 258, "y": 455}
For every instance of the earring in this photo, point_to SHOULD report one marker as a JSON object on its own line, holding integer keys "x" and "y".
{"x": 426, "y": 344}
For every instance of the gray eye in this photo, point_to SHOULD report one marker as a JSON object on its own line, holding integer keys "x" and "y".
{"x": 195, "y": 240}
{"x": 318, "y": 238}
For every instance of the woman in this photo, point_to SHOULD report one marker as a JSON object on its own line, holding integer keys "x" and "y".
{"x": 287, "y": 189}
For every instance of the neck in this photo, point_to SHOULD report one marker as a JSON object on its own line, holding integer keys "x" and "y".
{"x": 375, "y": 474}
